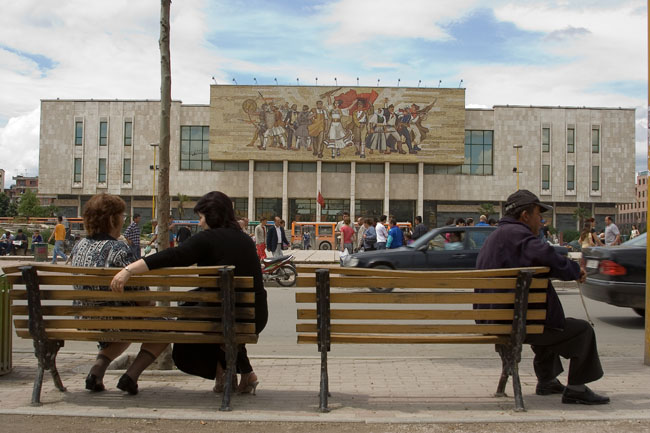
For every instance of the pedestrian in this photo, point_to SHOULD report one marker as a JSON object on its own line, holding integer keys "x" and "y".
{"x": 420, "y": 229}
{"x": 382, "y": 233}
{"x": 260, "y": 238}
{"x": 460, "y": 222}
{"x": 469, "y": 222}
{"x": 337, "y": 230}
{"x": 634, "y": 232}
{"x": 482, "y": 221}
{"x": 369, "y": 235}
{"x": 395, "y": 236}
{"x": 358, "y": 245}
{"x": 306, "y": 238}
{"x": 132, "y": 235}
{"x": 20, "y": 243}
{"x": 153, "y": 243}
{"x": 276, "y": 239}
{"x": 347, "y": 235}
{"x": 59, "y": 237}
{"x": 515, "y": 244}
{"x": 612, "y": 235}
{"x": 36, "y": 238}
{"x": 222, "y": 242}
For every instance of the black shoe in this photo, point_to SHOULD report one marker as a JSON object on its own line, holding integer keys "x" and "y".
{"x": 127, "y": 384}
{"x": 585, "y": 397}
{"x": 551, "y": 387}
{"x": 94, "y": 384}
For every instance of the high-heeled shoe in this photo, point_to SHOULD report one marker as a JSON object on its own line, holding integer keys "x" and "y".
{"x": 94, "y": 384}
{"x": 248, "y": 384}
{"x": 127, "y": 384}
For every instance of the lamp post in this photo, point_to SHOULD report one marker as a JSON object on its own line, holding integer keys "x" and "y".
{"x": 153, "y": 194}
{"x": 516, "y": 170}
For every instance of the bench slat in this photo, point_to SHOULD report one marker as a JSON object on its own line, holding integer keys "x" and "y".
{"x": 353, "y": 328}
{"x": 195, "y": 270}
{"x": 155, "y": 325}
{"x": 420, "y": 283}
{"x": 502, "y": 314}
{"x": 419, "y": 298}
{"x": 382, "y": 339}
{"x": 140, "y": 337}
{"x": 95, "y": 295}
{"x": 373, "y": 272}
{"x": 138, "y": 280}
{"x": 157, "y": 312}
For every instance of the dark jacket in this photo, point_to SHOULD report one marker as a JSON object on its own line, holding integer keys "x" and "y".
{"x": 513, "y": 245}
{"x": 419, "y": 230}
{"x": 272, "y": 238}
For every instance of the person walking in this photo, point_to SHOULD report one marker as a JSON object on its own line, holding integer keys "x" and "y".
{"x": 382, "y": 233}
{"x": 59, "y": 237}
{"x": 420, "y": 229}
{"x": 360, "y": 232}
{"x": 395, "y": 236}
{"x": 612, "y": 235}
{"x": 276, "y": 239}
{"x": 132, "y": 235}
{"x": 347, "y": 235}
{"x": 260, "y": 238}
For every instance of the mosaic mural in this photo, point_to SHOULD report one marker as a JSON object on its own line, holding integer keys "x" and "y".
{"x": 363, "y": 124}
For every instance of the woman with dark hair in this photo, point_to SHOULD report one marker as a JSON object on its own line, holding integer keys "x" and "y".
{"x": 586, "y": 240}
{"x": 222, "y": 242}
{"x": 103, "y": 218}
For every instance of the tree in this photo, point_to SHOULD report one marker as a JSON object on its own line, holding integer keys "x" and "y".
{"x": 486, "y": 209}
{"x": 580, "y": 214}
{"x": 4, "y": 204}
{"x": 182, "y": 199}
{"x": 30, "y": 206}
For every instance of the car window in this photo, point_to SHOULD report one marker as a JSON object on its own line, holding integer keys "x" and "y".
{"x": 638, "y": 241}
{"x": 325, "y": 230}
{"x": 477, "y": 238}
{"x": 450, "y": 240}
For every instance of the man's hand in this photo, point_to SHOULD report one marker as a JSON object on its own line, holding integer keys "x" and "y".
{"x": 583, "y": 276}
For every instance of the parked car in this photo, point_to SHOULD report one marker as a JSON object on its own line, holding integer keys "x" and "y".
{"x": 616, "y": 275}
{"x": 444, "y": 248}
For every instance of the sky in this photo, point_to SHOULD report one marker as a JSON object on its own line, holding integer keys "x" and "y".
{"x": 523, "y": 52}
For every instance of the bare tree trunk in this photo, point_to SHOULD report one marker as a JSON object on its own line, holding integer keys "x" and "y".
{"x": 164, "y": 361}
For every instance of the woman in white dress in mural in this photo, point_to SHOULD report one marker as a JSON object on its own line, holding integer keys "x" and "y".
{"x": 337, "y": 137}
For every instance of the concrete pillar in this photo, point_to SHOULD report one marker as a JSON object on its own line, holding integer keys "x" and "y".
{"x": 386, "y": 187}
{"x": 353, "y": 187}
{"x": 318, "y": 183}
{"x": 420, "y": 203}
{"x": 251, "y": 190}
{"x": 285, "y": 193}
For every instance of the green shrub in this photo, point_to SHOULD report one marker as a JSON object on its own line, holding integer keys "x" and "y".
{"x": 570, "y": 235}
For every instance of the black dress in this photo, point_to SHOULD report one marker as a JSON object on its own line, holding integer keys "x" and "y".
{"x": 214, "y": 247}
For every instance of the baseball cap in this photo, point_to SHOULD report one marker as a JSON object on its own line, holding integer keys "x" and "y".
{"x": 523, "y": 198}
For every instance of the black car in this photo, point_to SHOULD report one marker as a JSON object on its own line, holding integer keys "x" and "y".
{"x": 444, "y": 248}
{"x": 616, "y": 275}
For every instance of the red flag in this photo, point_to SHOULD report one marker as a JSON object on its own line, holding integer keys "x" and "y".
{"x": 320, "y": 200}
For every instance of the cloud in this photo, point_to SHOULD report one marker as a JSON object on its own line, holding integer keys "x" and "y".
{"x": 19, "y": 144}
{"x": 568, "y": 33}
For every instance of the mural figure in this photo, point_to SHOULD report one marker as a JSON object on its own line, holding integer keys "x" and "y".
{"x": 302, "y": 130}
{"x": 377, "y": 139}
{"x": 338, "y": 136}
{"x": 317, "y": 128}
{"x": 360, "y": 128}
{"x": 291, "y": 124}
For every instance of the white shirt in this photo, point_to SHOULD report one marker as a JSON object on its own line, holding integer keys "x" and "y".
{"x": 382, "y": 234}
{"x": 279, "y": 233}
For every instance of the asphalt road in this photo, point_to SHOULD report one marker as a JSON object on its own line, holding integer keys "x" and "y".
{"x": 620, "y": 332}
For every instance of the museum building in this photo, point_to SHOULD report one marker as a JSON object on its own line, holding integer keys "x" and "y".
{"x": 369, "y": 151}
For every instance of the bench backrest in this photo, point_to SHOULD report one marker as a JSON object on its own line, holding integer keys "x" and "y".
{"x": 41, "y": 311}
{"x": 441, "y": 310}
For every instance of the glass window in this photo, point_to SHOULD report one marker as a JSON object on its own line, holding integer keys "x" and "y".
{"x": 126, "y": 172}
{"x": 595, "y": 140}
{"x": 478, "y": 155}
{"x": 546, "y": 139}
{"x": 570, "y": 140}
{"x": 103, "y": 133}
{"x": 268, "y": 207}
{"x": 403, "y": 210}
{"x": 546, "y": 176}
{"x": 570, "y": 177}
{"x": 268, "y": 166}
{"x": 128, "y": 133}
{"x": 302, "y": 209}
{"x": 101, "y": 171}
{"x": 477, "y": 238}
{"x": 336, "y": 167}
{"x": 368, "y": 208}
{"x": 195, "y": 143}
{"x": 370, "y": 168}
{"x": 240, "y": 206}
{"x": 333, "y": 209}
{"x": 78, "y": 133}
{"x": 304, "y": 167}
{"x": 595, "y": 178}
{"x": 77, "y": 169}
{"x": 404, "y": 168}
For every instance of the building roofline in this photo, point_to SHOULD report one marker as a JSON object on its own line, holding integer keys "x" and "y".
{"x": 106, "y": 100}
{"x": 564, "y": 107}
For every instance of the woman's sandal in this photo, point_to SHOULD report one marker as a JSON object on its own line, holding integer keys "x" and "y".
{"x": 127, "y": 384}
{"x": 248, "y": 384}
{"x": 94, "y": 384}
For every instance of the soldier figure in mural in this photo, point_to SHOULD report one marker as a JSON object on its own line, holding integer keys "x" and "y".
{"x": 302, "y": 130}
{"x": 360, "y": 128}
{"x": 317, "y": 129}
{"x": 291, "y": 124}
{"x": 393, "y": 139}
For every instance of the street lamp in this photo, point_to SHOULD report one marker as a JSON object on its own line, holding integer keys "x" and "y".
{"x": 516, "y": 169}
{"x": 153, "y": 168}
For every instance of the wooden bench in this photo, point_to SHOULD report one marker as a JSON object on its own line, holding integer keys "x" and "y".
{"x": 422, "y": 316}
{"x": 49, "y": 318}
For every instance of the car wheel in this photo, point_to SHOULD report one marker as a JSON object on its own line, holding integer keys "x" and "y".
{"x": 378, "y": 289}
{"x": 325, "y": 246}
{"x": 639, "y": 311}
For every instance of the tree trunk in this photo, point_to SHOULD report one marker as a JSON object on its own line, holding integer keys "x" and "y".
{"x": 164, "y": 362}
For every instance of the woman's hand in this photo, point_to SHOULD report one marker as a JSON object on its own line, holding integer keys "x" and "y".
{"x": 119, "y": 281}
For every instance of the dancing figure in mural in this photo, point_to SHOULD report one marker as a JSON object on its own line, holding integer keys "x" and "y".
{"x": 338, "y": 137}
{"x": 377, "y": 139}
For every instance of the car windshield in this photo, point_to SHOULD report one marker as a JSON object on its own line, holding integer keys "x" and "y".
{"x": 638, "y": 241}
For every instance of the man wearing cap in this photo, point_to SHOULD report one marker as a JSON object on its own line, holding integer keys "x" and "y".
{"x": 516, "y": 244}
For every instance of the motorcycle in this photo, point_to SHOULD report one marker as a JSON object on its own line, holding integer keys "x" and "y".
{"x": 280, "y": 269}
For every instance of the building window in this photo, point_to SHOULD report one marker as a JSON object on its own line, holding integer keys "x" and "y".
{"x": 333, "y": 209}
{"x": 336, "y": 167}
{"x": 128, "y": 133}
{"x": 570, "y": 140}
{"x": 595, "y": 178}
{"x": 546, "y": 139}
{"x": 78, "y": 133}
{"x": 229, "y": 165}
{"x": 595, "y": 140}
{"x": 404, "y": 168}
{"x": 403, "y": 210}
{"x": 103, "y": 133}
{"x": 268, "y": 166}
{"x": 268, "y": 207}
{"x": 478, "y": 154}
{"x": 101, "y": 172}
{"x": 570, "y": 177}
{"x": 368, "y": 208}
{"x": 77, "y": 170}
{"x": 370, "y": 168}
{"x": 546, "y": 176}
{"x": 195, "y": 141}
{"x": 302, "y": 209}
{"x": 240, "y": 206}
{"x": 302, "y": 167}
{"x": 126, "y": 172}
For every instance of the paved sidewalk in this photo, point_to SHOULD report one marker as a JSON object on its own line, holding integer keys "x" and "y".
{"x": 371, "y": 390}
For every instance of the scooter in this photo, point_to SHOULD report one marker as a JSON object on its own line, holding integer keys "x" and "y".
{"x": 280, "y": 269}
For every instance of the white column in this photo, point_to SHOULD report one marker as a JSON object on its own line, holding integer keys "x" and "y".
{"x": 285, "y": 194}
{"x": 318, "y": 183}
{"x": 386, "y": 186}
{"x": 251, "y": 194}
{"x": 420, "y": 204}
{"x": 353, "y": 187}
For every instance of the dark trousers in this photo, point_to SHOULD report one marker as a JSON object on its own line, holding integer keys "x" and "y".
{"x": 576, "y": 342}
{"x": 201, "y": 359}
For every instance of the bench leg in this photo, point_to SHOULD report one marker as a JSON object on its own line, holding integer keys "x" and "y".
{"x": 516, "y": 385}
{"x": 505, "y": 372}
{"x": 324, "y": 382}
{"x": 38, "y": 384}
{"x": 57, "y": 378}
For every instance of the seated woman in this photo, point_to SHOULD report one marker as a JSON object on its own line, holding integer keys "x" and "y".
{"x": 455, "y": 242}
{"x": 103, "y": 218}
{"x": 222, "y": 242}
